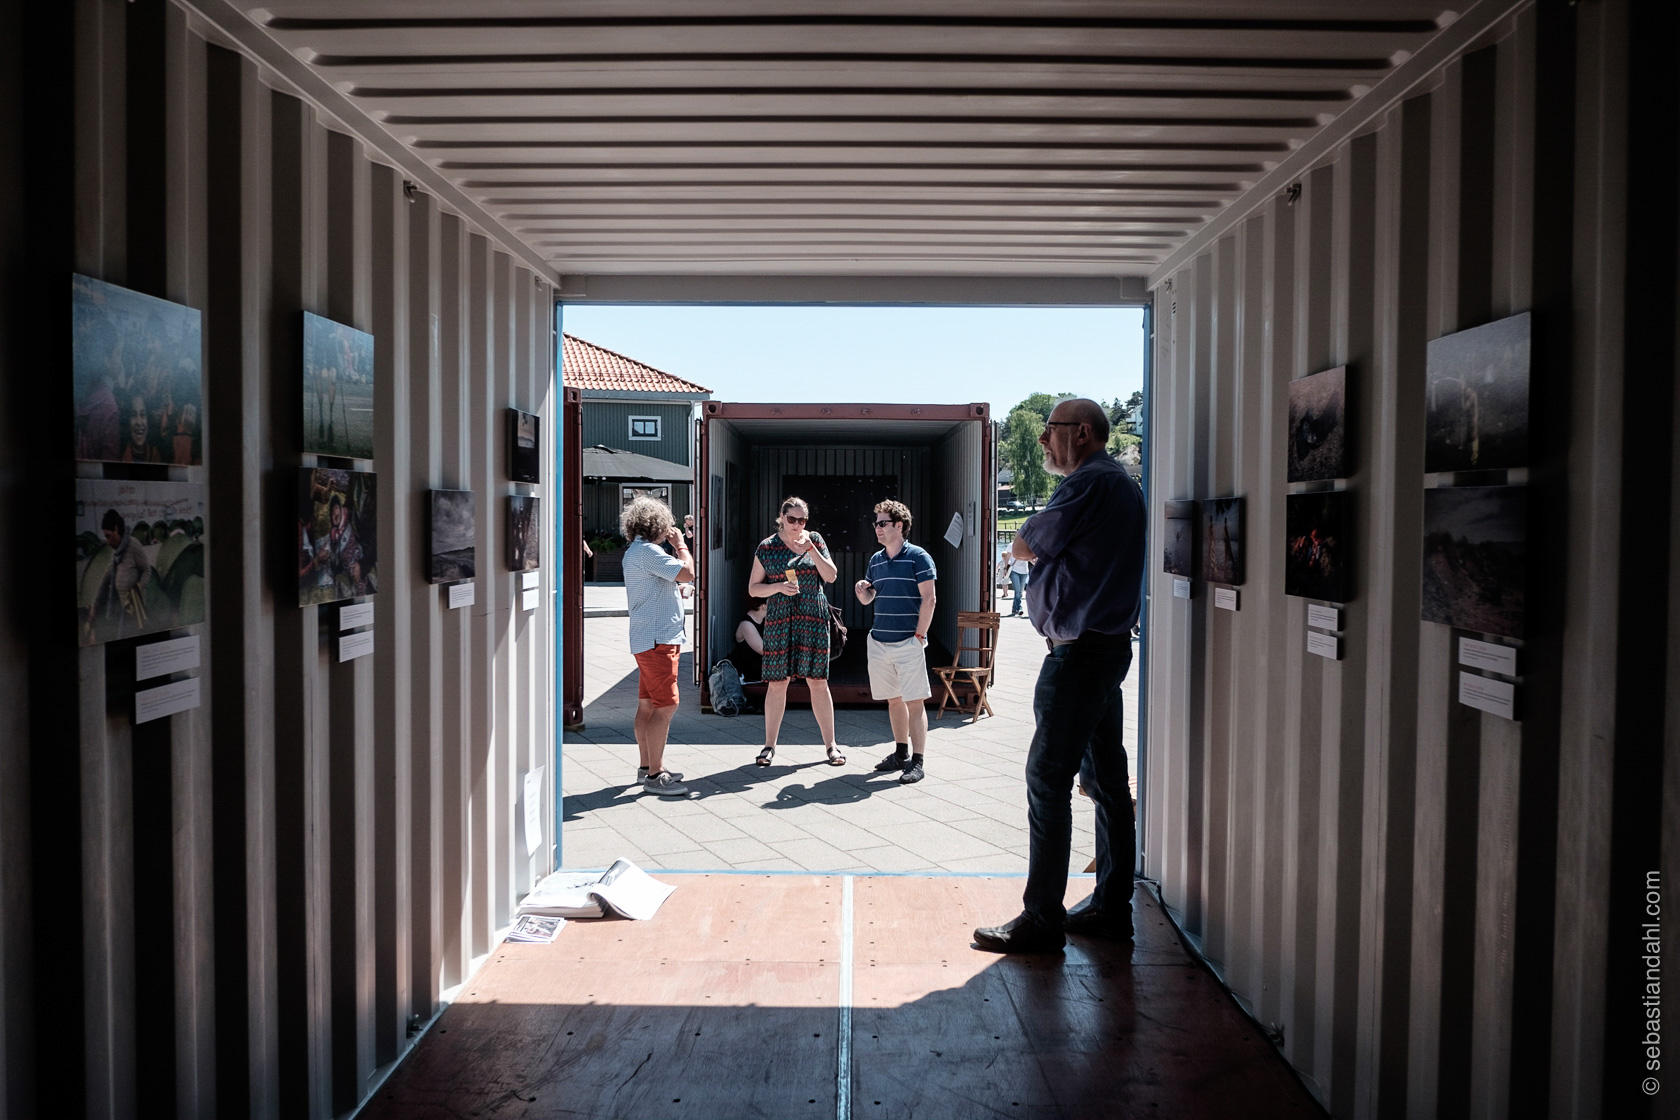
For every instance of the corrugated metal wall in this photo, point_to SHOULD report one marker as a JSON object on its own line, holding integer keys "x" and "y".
{"x": 1414, "y": 893}
{"x": 254, "y": 901}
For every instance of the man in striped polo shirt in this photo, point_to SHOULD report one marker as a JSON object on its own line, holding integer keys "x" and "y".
{"x": 900, "y": 584}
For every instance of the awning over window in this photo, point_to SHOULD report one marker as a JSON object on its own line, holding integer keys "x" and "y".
{"x": 607, "y": 462}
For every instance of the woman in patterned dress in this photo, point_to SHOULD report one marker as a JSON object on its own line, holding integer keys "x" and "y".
{"x": 796, "y": 625}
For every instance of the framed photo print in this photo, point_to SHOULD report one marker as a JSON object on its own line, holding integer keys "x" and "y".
{"x": 1317, "y": 564}
{"x": 454, "y": 529}
{"x": 137, "y": 376}
{"x": 337, "y": 389}
{"x": 1178, "y": 549}
{"x": 524, "y": 448}
{"x": 1476, "y": 415}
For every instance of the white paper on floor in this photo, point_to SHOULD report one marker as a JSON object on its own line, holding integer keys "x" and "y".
{"x": 624, "y": 888}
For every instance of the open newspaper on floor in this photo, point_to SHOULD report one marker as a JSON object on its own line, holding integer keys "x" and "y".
{"x": 623, "y": 888}
{"x": 533, "y": 927}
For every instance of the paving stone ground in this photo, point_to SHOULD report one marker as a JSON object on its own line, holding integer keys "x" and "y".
{"x": 801, "y": 814}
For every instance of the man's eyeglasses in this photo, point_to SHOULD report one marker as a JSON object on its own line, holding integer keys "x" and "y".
{"x": 1063, "y": 423}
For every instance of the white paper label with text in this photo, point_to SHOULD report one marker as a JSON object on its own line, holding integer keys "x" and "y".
{"x": 354, "y": 616}
{"x": 1325, "y": 645}
{"x": 159, "y": 659}
{"x": 165, "y": 700}
{"x": 352, "y": 646}
{"x": 1181, "y": 589}
{"x": 1325, "y": 618}
{"x": 530, "y": 599}
{"x": 1495, "y": 697}
{"x": 530, "y": 579}
{"x": 1487, "y": 655}
{"x": 460, "y": 595}
{"x": 533, "y": 811}
{"x": 1225, "y": 598}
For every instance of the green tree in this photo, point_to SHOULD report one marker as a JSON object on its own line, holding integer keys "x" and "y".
{"x": 1038, "y": 404}
{"x": 1023, "y": 454}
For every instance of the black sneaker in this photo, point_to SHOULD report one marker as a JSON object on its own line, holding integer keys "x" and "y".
{"x": 912, "y": 773}
{"x": 1086, "y": 920}
{"x": 893, "y": 761}
{"x": 1021, "y": 934}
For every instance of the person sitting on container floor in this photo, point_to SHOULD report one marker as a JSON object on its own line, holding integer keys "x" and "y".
{"x": 900, "y": 585}
{"x": 1084, "y": 599}
{"x": 651, "y": 576}
{"x": 748, "y": 654}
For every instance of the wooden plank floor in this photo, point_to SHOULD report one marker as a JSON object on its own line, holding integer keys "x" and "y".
{"x": 726, "y": 1005}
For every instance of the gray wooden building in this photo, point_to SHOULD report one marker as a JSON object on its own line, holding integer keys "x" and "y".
{"x": 628, "y": 406}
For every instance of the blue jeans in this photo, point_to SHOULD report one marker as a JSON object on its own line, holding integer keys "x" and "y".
{"x": 1018, "y": 580}
{"x": 1078, "y": 707}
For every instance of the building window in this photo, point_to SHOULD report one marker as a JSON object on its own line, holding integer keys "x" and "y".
{"x": 644, "y": 427}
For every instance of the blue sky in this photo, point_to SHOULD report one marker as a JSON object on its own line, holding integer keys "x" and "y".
{"x": 889, "y": 355}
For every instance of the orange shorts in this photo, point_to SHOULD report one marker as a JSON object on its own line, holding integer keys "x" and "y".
{"x": 659, "y": 675}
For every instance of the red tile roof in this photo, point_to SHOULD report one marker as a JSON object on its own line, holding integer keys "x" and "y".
{"x": 588, "y": 366}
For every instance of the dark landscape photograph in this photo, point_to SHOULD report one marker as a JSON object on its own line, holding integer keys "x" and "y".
{"x": 1178, "y": 552}
{"x": 1477, "y": 409}
{"x": 1318, "y": 446}
{"x": 453, "y": 529}
{"x": 1222, "y": 552}
{"x": 337, "y": 389}
{"x": 1316, "y": 562}
{"x": 1474, "y": 546}
{"x": 524, "y": 533}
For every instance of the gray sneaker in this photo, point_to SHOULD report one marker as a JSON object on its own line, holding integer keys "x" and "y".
{"x": 665, "y": 784}
{"x": 641, "y": 774}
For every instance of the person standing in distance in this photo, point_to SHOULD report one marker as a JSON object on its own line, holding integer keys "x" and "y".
{"x": 651, "y": 576}
{"x": 1087, "y": 584}
{"x": 900, "y": 584}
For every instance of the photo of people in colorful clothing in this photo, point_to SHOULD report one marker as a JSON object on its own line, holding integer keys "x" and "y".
{"x": 139, "y": 558}
{"x": 337, "y": 545}
{"x": 137, "y": 372}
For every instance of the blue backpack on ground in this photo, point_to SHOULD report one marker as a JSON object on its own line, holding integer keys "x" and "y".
{"x": 728, "y": 697}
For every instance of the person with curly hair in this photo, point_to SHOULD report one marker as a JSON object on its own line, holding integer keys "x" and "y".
{"x": 789, "y": 569}
{"x": 651, "y": 576}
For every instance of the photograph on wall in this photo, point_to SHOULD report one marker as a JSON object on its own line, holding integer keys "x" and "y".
{"x": 337, "y": 389}
{"x": 1318, "y": 443}
{"x": 524, "y": 533}
{"x": 1477, "y": 406}
{"x": 1222, "y": 551}
{"x": 137, "y": 374}
{"x": 1317, "y": 562}
{"x": 1474, "y": 546}
{"x": 629, "y": 492}
{"x": 338, "y": 548}
{"x": 524, "y": 452}
{"x": 1178, "y": 552}
{"x": 454, "y": 528}
{"x": 139, "y": 558}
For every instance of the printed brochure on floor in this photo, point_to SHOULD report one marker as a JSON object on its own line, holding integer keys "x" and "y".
{"x": 623, "y": 888}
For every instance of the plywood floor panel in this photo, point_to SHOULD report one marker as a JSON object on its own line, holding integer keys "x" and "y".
{"x": 726, "y": 1004}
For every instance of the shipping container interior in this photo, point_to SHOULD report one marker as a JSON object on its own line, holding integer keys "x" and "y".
{"x": 842, "y": 459}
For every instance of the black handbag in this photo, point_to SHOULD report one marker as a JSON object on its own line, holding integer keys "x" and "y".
{"x": 836, "y": 632}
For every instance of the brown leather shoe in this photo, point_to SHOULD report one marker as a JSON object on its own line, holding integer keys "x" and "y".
{"x": 1087, "y": 921}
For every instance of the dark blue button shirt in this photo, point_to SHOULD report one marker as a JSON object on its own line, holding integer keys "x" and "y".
{"x": 1089, "y": 544}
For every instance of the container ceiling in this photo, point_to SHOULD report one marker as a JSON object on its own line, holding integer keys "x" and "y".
{"x": 904, "y": 137}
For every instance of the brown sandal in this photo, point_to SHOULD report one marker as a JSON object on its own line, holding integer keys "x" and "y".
{"x": 836, "y": 757}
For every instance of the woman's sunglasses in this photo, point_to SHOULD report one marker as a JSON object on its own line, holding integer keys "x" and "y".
{"x": 792, "y": 520}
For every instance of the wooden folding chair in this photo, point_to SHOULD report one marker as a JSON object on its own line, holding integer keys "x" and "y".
{"x": 984, "y": 626}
